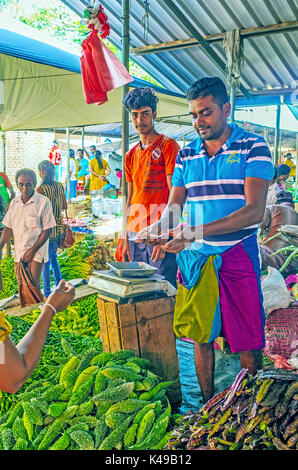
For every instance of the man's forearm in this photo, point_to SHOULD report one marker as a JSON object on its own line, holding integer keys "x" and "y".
{"x": 170, "y": 217}
{"x": 238, "y": 220}
{"x": 43, "y": 237}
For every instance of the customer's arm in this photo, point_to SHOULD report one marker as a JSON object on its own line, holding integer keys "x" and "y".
{"x": 20, "y": 361}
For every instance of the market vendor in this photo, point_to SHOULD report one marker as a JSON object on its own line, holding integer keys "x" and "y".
{"x": 283, "y": 172}
{"x": 149, "y": 167}
{"x": 273, "y": 190}
{"x": 277, "y": 215}
{"x": 223, "y": 175}
{"x": 29, "y": 220}
{"x": 17, "y": 362}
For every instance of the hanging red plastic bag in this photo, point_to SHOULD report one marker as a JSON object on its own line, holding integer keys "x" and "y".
{"x": 118, "y": 254}
{"x": 102, "y": 71}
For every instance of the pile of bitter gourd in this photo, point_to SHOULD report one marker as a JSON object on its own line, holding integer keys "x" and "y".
{"x": 98, "y": 401}
{"x": 254, "y": 413}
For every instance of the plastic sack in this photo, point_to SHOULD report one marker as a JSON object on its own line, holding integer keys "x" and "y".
{"x": 101, "y": 70}
{"x": 281, "y": 334}
{"x": 275, "y": 292}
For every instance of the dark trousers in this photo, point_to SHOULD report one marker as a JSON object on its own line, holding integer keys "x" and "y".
{"x": 167, "y": 266}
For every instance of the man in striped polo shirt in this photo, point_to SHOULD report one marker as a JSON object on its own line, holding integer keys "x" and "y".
{"x": 223, "y": 178}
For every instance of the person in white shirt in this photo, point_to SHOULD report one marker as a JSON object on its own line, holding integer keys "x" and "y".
{"x": 273, "y": 190}
{"x": 29, "y": 220}
{"x": 73, "y": 175}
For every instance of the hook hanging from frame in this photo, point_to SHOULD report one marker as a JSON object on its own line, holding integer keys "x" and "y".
{"x": 145, "y": 20}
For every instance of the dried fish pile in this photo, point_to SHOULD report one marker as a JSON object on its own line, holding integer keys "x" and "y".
{"x": 254, "y": 413}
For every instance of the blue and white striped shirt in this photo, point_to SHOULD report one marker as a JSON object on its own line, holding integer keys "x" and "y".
{"x": 215, "y": 185}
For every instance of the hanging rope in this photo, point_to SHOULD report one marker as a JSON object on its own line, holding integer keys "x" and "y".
{"x": 233, "y": 46}
{"x": 145, "y": 20}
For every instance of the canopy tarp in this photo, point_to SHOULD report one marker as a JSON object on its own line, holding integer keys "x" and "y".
{"x": 41, "y": 87}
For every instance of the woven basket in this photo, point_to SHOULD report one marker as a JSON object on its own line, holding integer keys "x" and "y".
{"x": 281, "y": 332}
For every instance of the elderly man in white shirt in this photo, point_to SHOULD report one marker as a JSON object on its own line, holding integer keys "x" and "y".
{"x": 30, "y": 221}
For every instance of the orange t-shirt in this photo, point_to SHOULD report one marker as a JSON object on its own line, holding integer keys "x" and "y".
{"x": 147, "y": 169}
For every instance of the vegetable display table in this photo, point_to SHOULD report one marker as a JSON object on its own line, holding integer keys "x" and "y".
{"x": 144, "y": 325}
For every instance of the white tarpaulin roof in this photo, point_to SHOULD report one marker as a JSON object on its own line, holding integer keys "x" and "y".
{"x": 41, "y": 88}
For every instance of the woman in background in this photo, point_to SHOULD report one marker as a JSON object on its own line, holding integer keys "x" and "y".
{"x": 55, "y": 193}
{"x": 99, "y": 171}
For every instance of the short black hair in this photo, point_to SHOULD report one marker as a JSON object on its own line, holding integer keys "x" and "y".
{"x": 71, "y": 153}
{"x": 206, "y": 86}
{"x": 117, "y": 169}
{"x": 27, "y": 172}
{"x": 80, "y": 150}
{"x": 141, "y": 97}
{"x": 285, "y": 197}
{"x": 283, "y": 169}
{"x": 94, "y": 146}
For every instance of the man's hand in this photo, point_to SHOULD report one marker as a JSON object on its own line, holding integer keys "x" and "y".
{"x": 157, "y": 253}
{"x": 175, "y": 246}
{"x": 62, "y": 296}
{"x": 182, "y": 238}
{"x": 151, "y": 235}
{"x": 126, "y": 252}
{"x": 29, "y": 255}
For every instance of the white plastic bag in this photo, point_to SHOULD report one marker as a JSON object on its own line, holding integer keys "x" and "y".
{"x": 275, "y": 292}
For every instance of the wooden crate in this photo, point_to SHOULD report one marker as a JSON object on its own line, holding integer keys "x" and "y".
{"x": 145, "y": 327}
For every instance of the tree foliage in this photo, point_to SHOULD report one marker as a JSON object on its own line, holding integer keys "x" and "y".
{"x": 58, "y": 21}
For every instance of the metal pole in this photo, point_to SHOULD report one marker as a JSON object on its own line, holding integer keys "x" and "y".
{"x": 83, "y": 138}
{"x": 125, "y": 113}
{"x": 3, "y": 151}
{"x": 232, "y": 101}
{"x": 67, "y": 165}
{"x": 277, "y": 135}
{"x": 266, "y": 134}
{"x": 296, "y": 182}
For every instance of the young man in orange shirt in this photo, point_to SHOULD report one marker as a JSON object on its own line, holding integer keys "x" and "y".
{"x": 149, "y": 167}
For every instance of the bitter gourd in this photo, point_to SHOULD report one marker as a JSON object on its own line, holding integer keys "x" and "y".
{"x": 115, "y": 394}
{"x": 83, "y": 439}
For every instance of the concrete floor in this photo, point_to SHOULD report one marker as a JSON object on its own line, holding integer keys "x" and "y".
{"x": 227, "y": 367}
